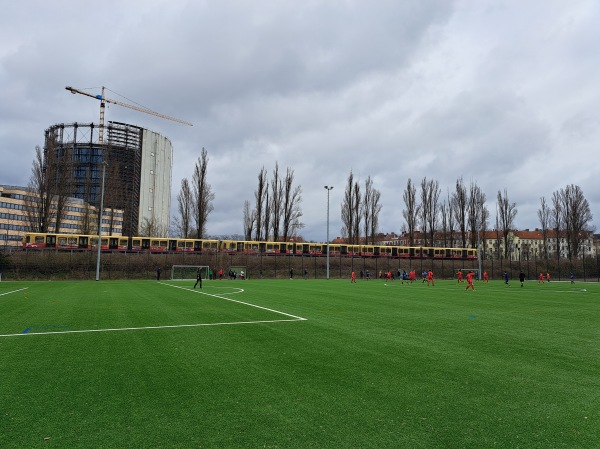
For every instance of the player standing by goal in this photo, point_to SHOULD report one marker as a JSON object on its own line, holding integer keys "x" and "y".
{"x": 198, "y": 278}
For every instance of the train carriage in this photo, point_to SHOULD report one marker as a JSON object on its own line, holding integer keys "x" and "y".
{"x": 209, "y": 246}
{"x": 36, "y": 240}
{"x": 184, "y": 245}
{"x": 367, "y": 250}
{"x": 317, "y": 249}
{"x": 71, "y": 242}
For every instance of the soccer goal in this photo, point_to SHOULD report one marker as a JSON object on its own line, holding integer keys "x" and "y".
{"x": 188, "y": 272}
{"x": 240, "y": 272}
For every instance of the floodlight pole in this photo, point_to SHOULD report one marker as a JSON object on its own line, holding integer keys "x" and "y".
{"x": 100, "y": 212}
{"x": 479, "y": 251}
{"x": 329, "y": 189}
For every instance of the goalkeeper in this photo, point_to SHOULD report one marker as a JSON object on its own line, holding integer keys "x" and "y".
{"x": 198, "y": 278}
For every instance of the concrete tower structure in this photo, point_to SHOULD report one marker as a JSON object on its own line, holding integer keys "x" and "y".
{"x": 138, "y": 174}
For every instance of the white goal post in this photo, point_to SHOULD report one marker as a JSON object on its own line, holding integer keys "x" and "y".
{"x": 188, "y": 272}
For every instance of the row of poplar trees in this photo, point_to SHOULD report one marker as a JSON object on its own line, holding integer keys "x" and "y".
{"x": 194, "y": 202}
{"x": 277, "y": 208}
{"x": 463, "y": 217}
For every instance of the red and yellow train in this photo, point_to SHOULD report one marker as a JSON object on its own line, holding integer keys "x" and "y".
{"x": 77, "y": 242}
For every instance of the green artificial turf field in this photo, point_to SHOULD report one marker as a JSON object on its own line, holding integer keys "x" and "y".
{"x": 299, "y": 364}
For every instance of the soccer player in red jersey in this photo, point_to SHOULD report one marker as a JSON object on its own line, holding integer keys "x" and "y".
{"x": 430, "y": 277}
{"x": 470, "y": 275}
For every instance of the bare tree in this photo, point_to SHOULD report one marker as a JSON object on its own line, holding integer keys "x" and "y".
{"x": 485, "y": 216}
{"x": 366, "y": 208}
{"x": 544, "y": 215}
{"x": 576, "y": 216}
{"x": 498, "y": 235}
{"x": 444, "y": 222}
{"x": 411, "y": 212}
{"x": 249, "y": 219}
{"x": 424, "y": 215}
{"x": 507, "y": 213}
{"x": 375, "y": 210}
{"x": 63, "y": 182}
{"x": 203, "y": 195}
{"x": 259, "y": 197}
{"x": 150, "y": 228}
{"x": 291, "y": 206}
{"x": 49, "y": 184}
{"x": 267, "y": 214}
{"x": 460, "y": 209}
{"x": 40, "y": 200}
{"x": 557, "y": 218}
{"x": 57, "y": 166}
{"x": 351, "y": 210}
{"x": 430, "y": 203}
{"x": 476, "y": 212}
{"x": 356, "y": 211}
{"x": 451, "y": 222}
{"x": 185, "y": 207}
{"x": 370, "y": 211}
{"x": 276, "y": 202}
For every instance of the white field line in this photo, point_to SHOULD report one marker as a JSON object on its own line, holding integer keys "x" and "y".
{"x": 14, "y": 291}
{"x": 239, "y": 302}
{"x": 174, "y": 326}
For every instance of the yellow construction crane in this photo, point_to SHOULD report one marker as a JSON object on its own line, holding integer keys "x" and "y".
{"x": 104, "y": 100}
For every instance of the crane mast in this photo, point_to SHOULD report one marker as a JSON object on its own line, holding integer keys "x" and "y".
{"x": 104, "y": 100}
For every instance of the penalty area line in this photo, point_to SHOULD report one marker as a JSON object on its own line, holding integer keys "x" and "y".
{"x": 14, "y": 291}
{"x": 174, "y": 326}
{"x": 239, "y": 302}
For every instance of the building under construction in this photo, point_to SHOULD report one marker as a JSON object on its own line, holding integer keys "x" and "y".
{"x": 137, "y": 172}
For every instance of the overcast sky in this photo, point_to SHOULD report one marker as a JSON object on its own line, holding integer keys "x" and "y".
{"x": 502, "y": 93}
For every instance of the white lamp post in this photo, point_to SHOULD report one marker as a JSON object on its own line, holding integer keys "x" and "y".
{"x": 329, "y": 189}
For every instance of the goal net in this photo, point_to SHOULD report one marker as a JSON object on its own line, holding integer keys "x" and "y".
{"x": 188, "y": 272}
{"x": 239, "y": 272}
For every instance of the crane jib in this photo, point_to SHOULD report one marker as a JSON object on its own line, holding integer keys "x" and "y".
{"x": 103, "y": 99}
